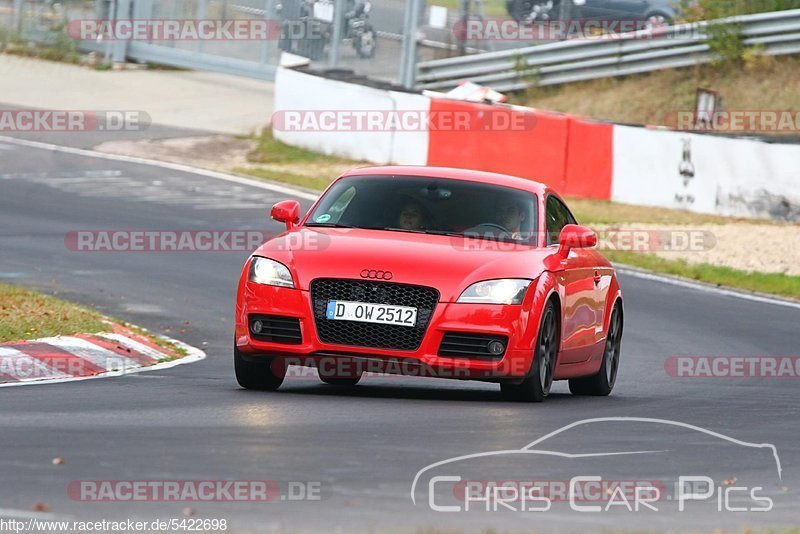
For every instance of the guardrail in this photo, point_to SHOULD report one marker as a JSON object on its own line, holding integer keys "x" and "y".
{"x": 575, "y": 60}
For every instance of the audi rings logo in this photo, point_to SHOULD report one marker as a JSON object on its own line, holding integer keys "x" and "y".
{"x": 377, "y": 275}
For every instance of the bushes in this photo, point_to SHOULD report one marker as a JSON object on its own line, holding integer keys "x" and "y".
{"x": 726, "y": 39}
{"x": 714, "y": 9}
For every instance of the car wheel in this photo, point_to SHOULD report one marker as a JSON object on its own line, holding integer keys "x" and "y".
{"x": 258, "y": 375}
{"x": 603, "y": 382}
{"x": 658, "y": 20}
{"x": 536, "y": 386}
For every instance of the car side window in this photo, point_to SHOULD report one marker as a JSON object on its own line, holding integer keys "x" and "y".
{"x": 556, "y": 217}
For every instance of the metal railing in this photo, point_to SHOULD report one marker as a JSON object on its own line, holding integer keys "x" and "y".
{"x": 683, "y": 45}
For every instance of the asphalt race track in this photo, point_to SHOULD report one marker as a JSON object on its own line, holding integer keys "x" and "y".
{"x": 363, "y": 446}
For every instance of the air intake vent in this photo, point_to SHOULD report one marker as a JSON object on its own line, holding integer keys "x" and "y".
{"x": 276, "y": 329}
{"x": 478, "y": 346}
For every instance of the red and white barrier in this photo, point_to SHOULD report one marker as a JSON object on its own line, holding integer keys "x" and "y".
{"x": 577, "y": 156}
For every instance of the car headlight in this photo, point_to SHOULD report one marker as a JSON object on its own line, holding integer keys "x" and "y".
{"x": 503, "y": 291}
{"x": 269, "y": 272}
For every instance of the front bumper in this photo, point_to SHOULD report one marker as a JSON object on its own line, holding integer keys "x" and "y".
{"x": 518, "y": 323}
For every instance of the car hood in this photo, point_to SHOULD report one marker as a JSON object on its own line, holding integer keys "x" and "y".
{"x": 449, "y": 264}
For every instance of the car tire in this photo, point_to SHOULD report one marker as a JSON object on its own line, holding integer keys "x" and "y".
{"x": 259, "y": 375}
{"x": 536, "y": 386}
{"x": 658, "y": 18}
{"x": 602, "y": 383}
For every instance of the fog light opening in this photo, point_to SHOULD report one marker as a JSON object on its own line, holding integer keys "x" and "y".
{"x": 496, "y": 347}
{"x": 257, "y": 327}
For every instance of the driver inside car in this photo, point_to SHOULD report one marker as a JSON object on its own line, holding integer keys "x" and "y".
{"x": 510, "y": 215}
{"x": 412, "y": 216}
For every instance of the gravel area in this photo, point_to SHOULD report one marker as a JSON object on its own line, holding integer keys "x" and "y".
{"x": 767, "y": 248}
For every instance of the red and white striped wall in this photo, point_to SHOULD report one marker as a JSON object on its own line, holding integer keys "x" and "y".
{"x": 575, "y": 155}
{"x": 83, "y": 356}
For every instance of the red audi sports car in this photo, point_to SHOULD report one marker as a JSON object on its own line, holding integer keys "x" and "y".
{"x": 429, "y": 271}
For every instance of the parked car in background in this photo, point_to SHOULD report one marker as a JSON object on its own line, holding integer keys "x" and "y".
{"x": 653, "y": 11}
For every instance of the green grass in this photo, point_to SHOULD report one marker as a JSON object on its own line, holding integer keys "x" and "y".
{"x": 771, "y": 283}
{"x": 317, "y": 183}
{"x": 26, "y": 314}
{"x": 269, "y": 150}
{"x": 493, "y": 8}
{"x": 589, "y": 212}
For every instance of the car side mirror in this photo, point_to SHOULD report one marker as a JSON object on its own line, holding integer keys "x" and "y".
{"x": 575, "y": 236}
{"x": 286, "y": 211}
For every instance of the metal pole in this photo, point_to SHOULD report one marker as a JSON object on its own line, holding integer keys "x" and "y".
{"x": 19, "y": 7}
{"x": 112, "y": 15}
{"x": 464, "y": 8}
{"x": 564, "y": 13}
{"x": 401, "y": 73}
{"x": 336, "y": 37}
{"x": 120, "y": 47}
{"x": 408, "y": 57}
{"x": 202, "y": 10}
{"x": 268, "y": 45}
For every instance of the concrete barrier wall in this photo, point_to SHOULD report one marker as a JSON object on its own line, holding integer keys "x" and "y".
{"x": 705, "y": 173}
{"x": 296, "y": 91}
{"x": 576, "y": 156}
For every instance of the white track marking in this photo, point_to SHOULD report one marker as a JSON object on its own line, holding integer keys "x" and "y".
{"x": 706, "y": 288}
{"x": 164, "y": 165}
{"x": 86, "y": 350}
{"x": 134, "y": 345}
{"x": 193, "y": 355}
{"x": 10, "y": 359}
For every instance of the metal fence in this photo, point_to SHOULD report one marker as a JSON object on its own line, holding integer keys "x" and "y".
{"x": 393, "y": 60}
{"x": 775, "y": 33}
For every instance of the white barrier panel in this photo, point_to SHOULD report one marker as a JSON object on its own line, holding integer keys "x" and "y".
{"x": 411, "y": 148}
{"x": 705, "y": 173}
{"x": 299, "y": 93}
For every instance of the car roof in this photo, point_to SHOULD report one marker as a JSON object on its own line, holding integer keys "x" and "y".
{"x": 453, "y": 173}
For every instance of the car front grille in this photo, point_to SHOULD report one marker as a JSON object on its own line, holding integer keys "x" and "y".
{"x": 466, "y": 345}
{"x": 379, "y": 336}
{"x": 276, "y": 328}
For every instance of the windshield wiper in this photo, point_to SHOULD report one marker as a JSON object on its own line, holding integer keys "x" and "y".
{"x": 331, "y": 225}
{"x": 429, "y": 232}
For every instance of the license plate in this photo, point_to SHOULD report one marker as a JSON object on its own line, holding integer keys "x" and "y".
{"x": 323, "y": 11}
{"x": 371, "y": 313}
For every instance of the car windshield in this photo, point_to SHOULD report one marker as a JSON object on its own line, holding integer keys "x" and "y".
{"x": 431, "y": 206}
